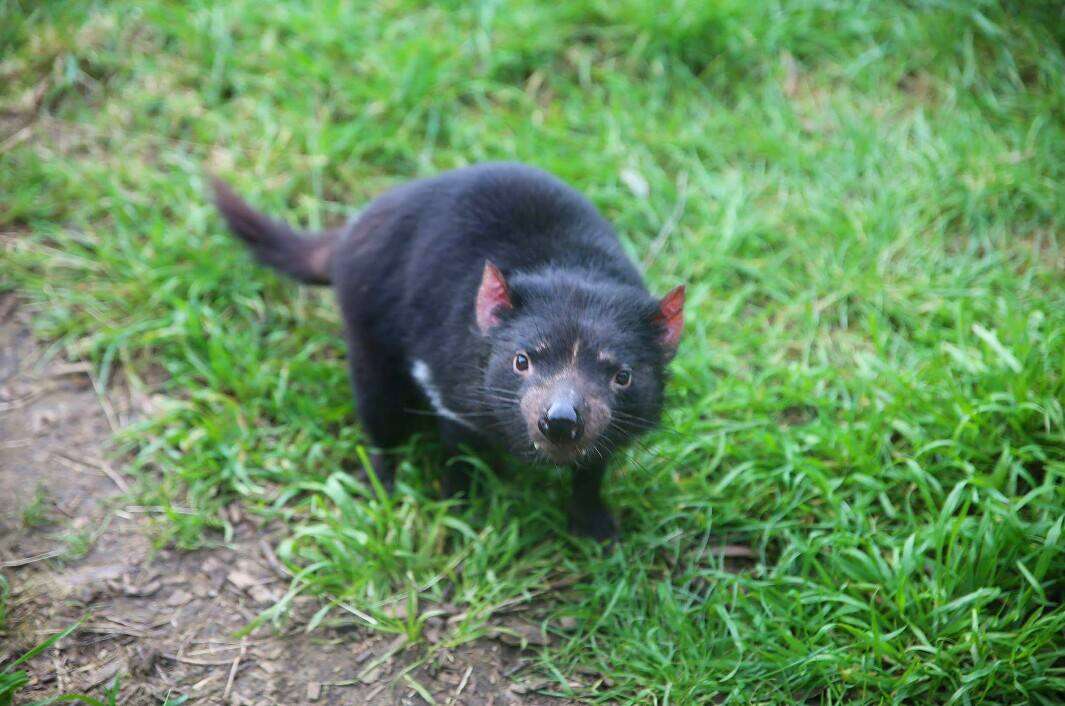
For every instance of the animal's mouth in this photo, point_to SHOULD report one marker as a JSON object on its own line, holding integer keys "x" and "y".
{"x": 561, "y": 454}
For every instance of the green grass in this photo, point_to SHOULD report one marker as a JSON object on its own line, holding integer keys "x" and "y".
{"x": 37, "y": 512}
{"x": 13, "y": 680}
{"x": 866, "y": 200}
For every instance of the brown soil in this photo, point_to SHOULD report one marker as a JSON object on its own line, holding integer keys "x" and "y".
{"x": 166, "y": 622}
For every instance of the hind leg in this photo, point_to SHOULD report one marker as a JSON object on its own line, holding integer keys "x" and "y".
{"x": 382, "y": 396}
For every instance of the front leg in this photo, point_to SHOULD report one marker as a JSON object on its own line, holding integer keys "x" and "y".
{"x": 588, "y": 514}
{"x": 456, "y": 478}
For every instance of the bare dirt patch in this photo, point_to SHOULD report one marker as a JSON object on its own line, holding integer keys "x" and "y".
{"x": 167, "y": 622}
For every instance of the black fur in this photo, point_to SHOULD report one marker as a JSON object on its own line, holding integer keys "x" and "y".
{"x": 406, "y": 274}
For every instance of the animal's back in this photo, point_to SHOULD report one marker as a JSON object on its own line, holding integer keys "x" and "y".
{"x": 522, "y": 218}
{"x": 413, "y": 261}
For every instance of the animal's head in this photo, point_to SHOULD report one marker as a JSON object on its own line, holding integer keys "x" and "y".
{"x": 576, "y": 368}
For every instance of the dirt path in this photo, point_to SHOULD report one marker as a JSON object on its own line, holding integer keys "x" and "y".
{"x": 165, "y": 622}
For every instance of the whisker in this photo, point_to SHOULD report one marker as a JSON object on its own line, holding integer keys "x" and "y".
{"x": 430, "y": 413}
{"x": 643, "y": 426}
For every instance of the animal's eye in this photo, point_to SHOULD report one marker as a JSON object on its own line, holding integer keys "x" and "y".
{"x": 521, "y": 363}
{"x": 623, "y": 378}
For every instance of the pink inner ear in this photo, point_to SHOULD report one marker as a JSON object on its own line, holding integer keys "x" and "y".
{"x": 493, "y": 296}
{"x": 671, "y": 315}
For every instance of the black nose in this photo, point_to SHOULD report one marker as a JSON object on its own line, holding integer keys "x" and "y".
{"x": 562, "y": 423}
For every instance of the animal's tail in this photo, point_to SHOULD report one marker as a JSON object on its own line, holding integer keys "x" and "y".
{"x": 304, "y": 256}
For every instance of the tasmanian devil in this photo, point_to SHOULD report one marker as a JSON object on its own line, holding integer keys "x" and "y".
{"x": 498, "y": 299}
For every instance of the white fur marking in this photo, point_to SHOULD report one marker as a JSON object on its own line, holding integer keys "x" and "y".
{"x": 420, "y": 372}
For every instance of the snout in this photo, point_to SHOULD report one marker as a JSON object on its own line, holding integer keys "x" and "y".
{"x": 560, "y": 431}
{"x": 562, "y": 423}
{"x": 564, "y": 420}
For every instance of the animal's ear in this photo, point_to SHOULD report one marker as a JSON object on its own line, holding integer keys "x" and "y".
{"x": 670, "y": 319}
{"x": 493, "y": 297}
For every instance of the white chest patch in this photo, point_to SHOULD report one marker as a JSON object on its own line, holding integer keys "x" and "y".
{"x": 420, "y": 372}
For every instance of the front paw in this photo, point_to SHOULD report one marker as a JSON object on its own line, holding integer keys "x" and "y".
{"x": 381, "y": 467}
{"x": 596, "y": 523}
{"x": 456, "y": 483}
